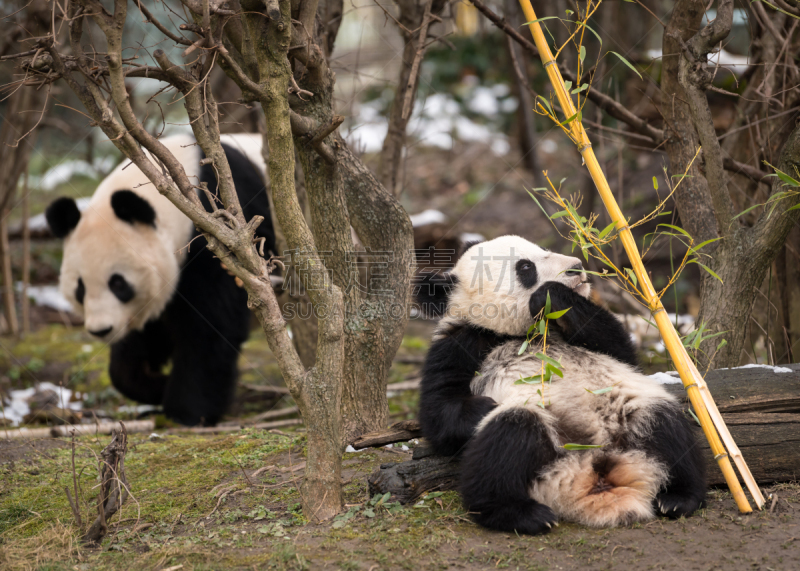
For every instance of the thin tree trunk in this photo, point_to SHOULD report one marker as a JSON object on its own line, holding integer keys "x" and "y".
{"x": 26, "y": 258}
{"x": 8, "y": 279}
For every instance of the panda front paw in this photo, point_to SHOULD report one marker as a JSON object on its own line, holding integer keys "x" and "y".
{"x": 561, "y": 297}
{"x": 673, "y": 506}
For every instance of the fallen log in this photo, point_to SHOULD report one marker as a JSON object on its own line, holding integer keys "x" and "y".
{"x": 760, "y": 406}
{"x": 402, "y": 431}
{"x": 131, "y": 426}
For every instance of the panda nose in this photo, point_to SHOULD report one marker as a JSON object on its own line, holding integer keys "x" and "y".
{"x": 101, "y": 332}
{"x": 575, "y": 270}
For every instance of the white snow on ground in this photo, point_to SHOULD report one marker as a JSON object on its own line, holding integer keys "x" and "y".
{"x": 427, "y": 217}
{"x": 664, "y": 379}
{"x": 437, "y": 121}
{"x": 774, "y": 369}
{"x": 47, "y": 296}
{"x": 65, "y": 171}
{"x": 15, "y": 406}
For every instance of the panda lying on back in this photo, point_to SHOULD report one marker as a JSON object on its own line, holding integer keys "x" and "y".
{"x": 515, "y": 472}
{"x": 137, "y": 270}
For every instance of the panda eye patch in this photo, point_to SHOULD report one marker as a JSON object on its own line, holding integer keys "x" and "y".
{"x": 526, "y": 273}
{"x": 80, "y": 291}
{"x": 120, "y": 287}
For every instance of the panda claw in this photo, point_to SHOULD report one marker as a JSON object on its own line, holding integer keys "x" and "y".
{"x": 548, "y": 525}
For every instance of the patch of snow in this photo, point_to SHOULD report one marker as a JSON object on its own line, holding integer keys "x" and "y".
{"x": 137, "y": 408}
{"x": 472, "y": 237}
{"x": 404, "y": 448}
{"x": 759, "y": 366}
{"x": 664, "y": 379}
{"x": 437, "y": 120}
{"x": 15, "y": 406}
{"x": 47, "y": 296}
{"x": 350, "y": 448}
{"x": 427, "y": 217}
{"x": 735, "y": 63}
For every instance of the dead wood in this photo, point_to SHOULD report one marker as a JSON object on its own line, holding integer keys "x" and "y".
{"x": 398, "y": 432}
{"x": 114, "y": 488}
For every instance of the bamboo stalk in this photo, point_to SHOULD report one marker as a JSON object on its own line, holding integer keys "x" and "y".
{"x": 696, "y": 388}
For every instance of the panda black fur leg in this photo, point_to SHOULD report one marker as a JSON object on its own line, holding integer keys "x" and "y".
{"x": 586, "y": 324}
{"x": 209, "y": 312}
{"x": 499, "y": 466}
{"x": 672, "y": 440}
{"x": 137, "y": 360}
{"x": 449, "y": 412}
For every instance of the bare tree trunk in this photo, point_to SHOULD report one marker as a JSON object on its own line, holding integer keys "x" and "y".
{"x": 414, "y": 18}
{"x": 9, "y": 306}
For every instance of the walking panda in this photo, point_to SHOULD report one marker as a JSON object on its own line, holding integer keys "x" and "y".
{"x": 515, "y": 472}
{"x": 140, "y": 274}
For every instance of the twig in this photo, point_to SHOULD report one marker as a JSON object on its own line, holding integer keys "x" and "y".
{"x": 246, "y": 477}
{"x": 75, "y": 486}
{"x": 412, "y": 78}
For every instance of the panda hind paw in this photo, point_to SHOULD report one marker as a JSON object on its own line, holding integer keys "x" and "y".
{"x": 673, "y": 506}
{"x": 527, "y": 518}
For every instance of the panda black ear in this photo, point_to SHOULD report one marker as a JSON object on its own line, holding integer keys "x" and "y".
{"x": 62, "y": 216}
{"x": 432, "y": 292}
{"x": 131, "y": 207}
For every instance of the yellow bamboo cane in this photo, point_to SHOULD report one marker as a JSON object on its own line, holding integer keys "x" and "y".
{"x": 695, "y": 385}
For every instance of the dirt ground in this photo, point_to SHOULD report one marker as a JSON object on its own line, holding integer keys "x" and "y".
{"x": 193, "y": 508}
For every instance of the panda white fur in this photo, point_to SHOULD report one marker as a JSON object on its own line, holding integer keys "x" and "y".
{"x": 515, "y": 472}
{"x": 137, "y": 270}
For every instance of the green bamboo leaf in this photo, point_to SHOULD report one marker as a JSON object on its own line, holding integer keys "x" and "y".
{"x": 559, "y": 214}
{"x": 553, "y": 370}
{"x": 571, "y": 119}
{"x": 743, "y": 212}
{"x": 570, "y": 446}
{"x": 706, "y": 268}
{"x": 583, "y": 87}
{"x": 529, "y": 380}
{"x": 722, "y": 344}
{"x": 557, "y": 314}
{"x": 632, "y": 276}
{"x": 676, "y": 228}
{"x": 567, "y": 85}
{"x": 582, "y": 54}
{"x": 547, "y": 105}
{"x": 601, "y": 391}
{"x": 547, "y": 304}
{"x": 588, "y": 27}
{"x": 606, "y": 230}
{"x": 694, "y": 416}
{"x": 655, "y": 183}
{"x": 795, "y": 207}
{"x": 701, "y": 245}
{"x": 524, "y": 346}
{"x": 541, "y": 20}
{"x": 626, "y": 62}
{"x": 787, "y": 179}
{"x": 546, "y": 359}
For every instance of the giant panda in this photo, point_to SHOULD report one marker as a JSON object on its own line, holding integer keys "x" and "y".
{"x": 516, "y": 474}
{"x": 140, "y": 274}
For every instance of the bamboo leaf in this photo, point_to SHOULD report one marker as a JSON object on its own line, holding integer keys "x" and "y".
{"x": 546, "y": 359}
{"x": 606, "y": 230}
{"x": 583, "y": 87}
{"x": 571, "y": 446}
{"x": 524, "y": 346}
{"x": 706, "y": 268}
{"x": 557, "y": 314}
{"x": 547, "y": 105}
{"x": 676, "y": 228}
{"x": 559, "y": 214}
{"x": 601, "y": 391}
{"x": 632, "y": 276}
{"x": 529, "y": 380}
{"x": 582, "y": 54}
{"x": 547, "y": 304}
{"x": 629, "y": 64}
{"x": 541, "y": 20}
{"x": 743, "y": 212}
{"x": 701, "y": 245}
{"x": 553, "y": 370}
{"x": 567, "y": 85}
{"x": 694, "y": 416}
{"x": 655, "y": 183}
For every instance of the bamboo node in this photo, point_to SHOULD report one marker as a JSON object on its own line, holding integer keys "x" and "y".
{"x": 548, "y": 63}
{"x": 687, "y": 387}
{"x": 718, "y": 457}
{"x": 583, "y": 148}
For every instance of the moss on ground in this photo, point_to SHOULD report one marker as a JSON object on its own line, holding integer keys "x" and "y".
{"x": 200, "y": 502}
